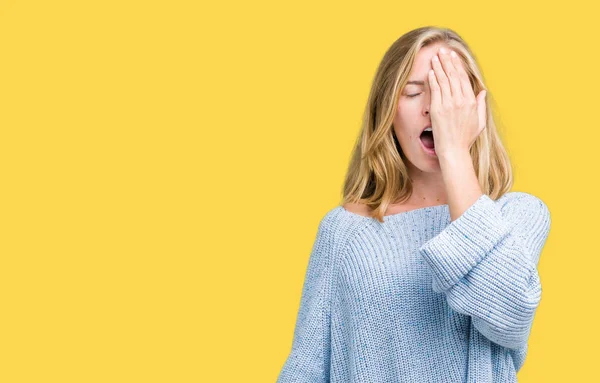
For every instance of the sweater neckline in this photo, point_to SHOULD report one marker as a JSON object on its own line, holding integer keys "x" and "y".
{"x": 401, "y": 214}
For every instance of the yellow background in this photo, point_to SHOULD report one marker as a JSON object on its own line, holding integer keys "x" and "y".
{"x": 165, "y": 165}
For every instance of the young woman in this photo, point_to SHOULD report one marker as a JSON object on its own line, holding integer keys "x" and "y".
{"x": 427, "y": 272}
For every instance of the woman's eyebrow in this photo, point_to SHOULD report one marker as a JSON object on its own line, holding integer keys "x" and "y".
{"x": 416, "y": 82}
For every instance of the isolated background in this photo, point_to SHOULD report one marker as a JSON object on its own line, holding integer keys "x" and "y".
{"x": 165, "y": 164}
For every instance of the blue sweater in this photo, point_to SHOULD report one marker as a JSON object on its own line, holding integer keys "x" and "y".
{"x": 421, "y": 298}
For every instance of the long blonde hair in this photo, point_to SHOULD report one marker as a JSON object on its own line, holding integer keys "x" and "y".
{"x": 377, "y": 175}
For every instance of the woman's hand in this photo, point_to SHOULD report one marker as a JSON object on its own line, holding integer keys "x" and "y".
{"x": 457, "y": 117}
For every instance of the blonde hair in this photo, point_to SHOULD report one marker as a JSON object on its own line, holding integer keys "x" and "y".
{"x": 377, "y": 174}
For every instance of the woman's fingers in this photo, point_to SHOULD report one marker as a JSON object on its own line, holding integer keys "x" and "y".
{"x": 451, "y": 74}
{"x": 434, "y": 86}
{"x": 465, "y": 84}
{"x": 442, "y": 79}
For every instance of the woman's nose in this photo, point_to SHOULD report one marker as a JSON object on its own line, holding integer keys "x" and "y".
{"x": 426, "y": 106}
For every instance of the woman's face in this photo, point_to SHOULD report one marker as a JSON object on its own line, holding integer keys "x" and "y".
{"x": 412, "y": 114}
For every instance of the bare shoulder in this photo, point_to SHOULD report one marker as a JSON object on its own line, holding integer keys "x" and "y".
{"x": 357, "y": 208}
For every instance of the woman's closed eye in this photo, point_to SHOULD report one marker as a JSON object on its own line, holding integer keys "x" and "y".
{"x": 413, "y": 95}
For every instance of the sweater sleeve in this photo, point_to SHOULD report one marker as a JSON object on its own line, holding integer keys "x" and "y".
{"x": 485, "y": 261}
{"x": 308, "y": 360}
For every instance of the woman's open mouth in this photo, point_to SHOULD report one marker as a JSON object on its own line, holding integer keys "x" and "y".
{"x": 427, "y": 142}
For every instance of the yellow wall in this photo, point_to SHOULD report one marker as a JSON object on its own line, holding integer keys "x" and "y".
{"x": 165, "y": 165}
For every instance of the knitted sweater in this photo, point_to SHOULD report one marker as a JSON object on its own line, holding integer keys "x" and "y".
{"x": 421, "y": 298}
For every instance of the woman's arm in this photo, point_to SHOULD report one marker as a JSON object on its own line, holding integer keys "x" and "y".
{"x": 485, "y": 262}
{"x": 308, "y": 360}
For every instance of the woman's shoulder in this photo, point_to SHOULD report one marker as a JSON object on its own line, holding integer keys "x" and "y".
{"x": 357, "y": 208}
{"x": 344, "y": 222}
{"x": 346, "y": 215}
{"x": 335, "y": 230}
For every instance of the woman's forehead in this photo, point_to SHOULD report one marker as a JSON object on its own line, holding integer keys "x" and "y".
{"x": 422, "y": 64}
